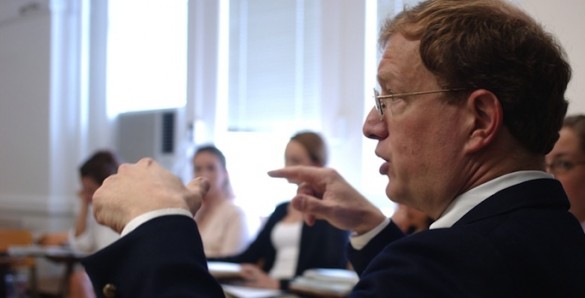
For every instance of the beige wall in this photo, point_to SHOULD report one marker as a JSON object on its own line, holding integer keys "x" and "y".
{"x": 566, "y": 19}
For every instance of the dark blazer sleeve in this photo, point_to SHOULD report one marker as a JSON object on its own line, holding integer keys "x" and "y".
{"x": 161, "y": 258}
{"x": 360, "y": 259}
{"x": 437, "y": 263}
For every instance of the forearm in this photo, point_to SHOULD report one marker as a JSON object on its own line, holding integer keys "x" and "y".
{"x": 81, "y": 220}
{"x": 361, "y": 256}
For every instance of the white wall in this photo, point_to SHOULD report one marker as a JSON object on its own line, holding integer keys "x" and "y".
{"x": 566, "y": 20}
{"x": 35, "y": 119}
{"x": 24, "y": 105}
{"x": 38, "y": 120}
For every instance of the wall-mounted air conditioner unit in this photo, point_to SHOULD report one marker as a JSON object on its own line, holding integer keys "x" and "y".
{"x": 159, "y": 134}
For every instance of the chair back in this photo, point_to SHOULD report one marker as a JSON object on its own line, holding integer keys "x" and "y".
{"x": 9, "y": 237}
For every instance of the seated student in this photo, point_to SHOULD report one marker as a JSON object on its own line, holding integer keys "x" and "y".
{"x": 286, "y": 246}
{"x": 222, "y": 224}
{"x": 87, "y": 236}
{"x": 566, "y": 162}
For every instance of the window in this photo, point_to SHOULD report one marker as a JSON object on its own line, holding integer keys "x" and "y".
{"x": 294, "y": 65}
{"x": 273, "y": 70}
{"x": 273, "y": 88}
{"x": 146, "y": 55}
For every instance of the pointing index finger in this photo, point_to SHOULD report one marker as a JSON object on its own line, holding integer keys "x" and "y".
{"x": 298, "y": 174}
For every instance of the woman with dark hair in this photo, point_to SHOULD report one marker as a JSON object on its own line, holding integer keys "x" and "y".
{"x": 286, "y": 246}
{"x": 87, "y": 236}
{"x": 222, "y": 224}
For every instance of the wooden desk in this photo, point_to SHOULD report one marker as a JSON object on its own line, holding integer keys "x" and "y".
{"x": 57, "y": 254}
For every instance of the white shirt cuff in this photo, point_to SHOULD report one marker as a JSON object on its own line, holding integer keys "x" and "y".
{"x": 360, "y": 241}
{"x": 142, "y": 218}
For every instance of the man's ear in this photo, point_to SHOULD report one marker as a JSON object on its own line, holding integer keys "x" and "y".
{"x": 487, "y": 117}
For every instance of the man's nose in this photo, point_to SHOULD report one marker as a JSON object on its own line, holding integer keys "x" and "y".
{"x": 374, "y": 127}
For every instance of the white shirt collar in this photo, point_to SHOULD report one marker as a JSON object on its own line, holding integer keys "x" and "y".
{"x": 466, "y": 201}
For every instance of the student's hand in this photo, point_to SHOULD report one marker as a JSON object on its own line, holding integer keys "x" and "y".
{"x": 142, "y": 187}
{"x": 85, "y": 197}
{"x": 254, "y": 277}
{"x": 53, "y": 239}
{"x": 324, "y": 194}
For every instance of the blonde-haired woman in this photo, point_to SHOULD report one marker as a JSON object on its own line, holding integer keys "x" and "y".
{"x": 286, "y": 246}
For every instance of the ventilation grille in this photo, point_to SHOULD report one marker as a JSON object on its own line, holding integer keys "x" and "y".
{"x": 168, "y": 133}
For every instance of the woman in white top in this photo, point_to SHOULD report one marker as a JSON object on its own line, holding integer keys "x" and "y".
{"x": 87, "y": 236}
{"x": 566, "y": 162}
{"x": 222, "y": 224}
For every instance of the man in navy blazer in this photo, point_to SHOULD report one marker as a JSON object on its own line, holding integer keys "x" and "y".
{"x": 471, "y": 99}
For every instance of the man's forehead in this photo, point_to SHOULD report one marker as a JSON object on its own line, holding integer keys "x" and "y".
{"x": 400, "y": 48}
{"x": 400, "y": 59}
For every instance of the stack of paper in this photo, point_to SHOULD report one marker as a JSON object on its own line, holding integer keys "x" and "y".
{"x": 222, "y": 270}
{"x": 330, "y": 282}
{"x": 43, "y": 251}
{"x": 245, "y": 292}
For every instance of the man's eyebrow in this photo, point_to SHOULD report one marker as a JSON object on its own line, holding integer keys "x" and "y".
{"x": 385, "y": 75}
{"x": 379, "y": 79}
{"x": 382, "y": 79}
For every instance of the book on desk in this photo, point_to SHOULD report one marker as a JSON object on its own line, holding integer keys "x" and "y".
{"x": 325, "y": 282}
{"x": 44, "y": 251}
{"x": 313, "y": 282}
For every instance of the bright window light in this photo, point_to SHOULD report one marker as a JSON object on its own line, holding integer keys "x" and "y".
{"x": 146, "y": 55}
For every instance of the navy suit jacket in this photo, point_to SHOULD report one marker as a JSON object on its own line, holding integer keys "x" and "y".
{"x": 520, "y": 242}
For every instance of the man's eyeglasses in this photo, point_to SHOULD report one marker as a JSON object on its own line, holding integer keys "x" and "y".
{"x": 380, "y": 105}
{"x": 562, "y": 166}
